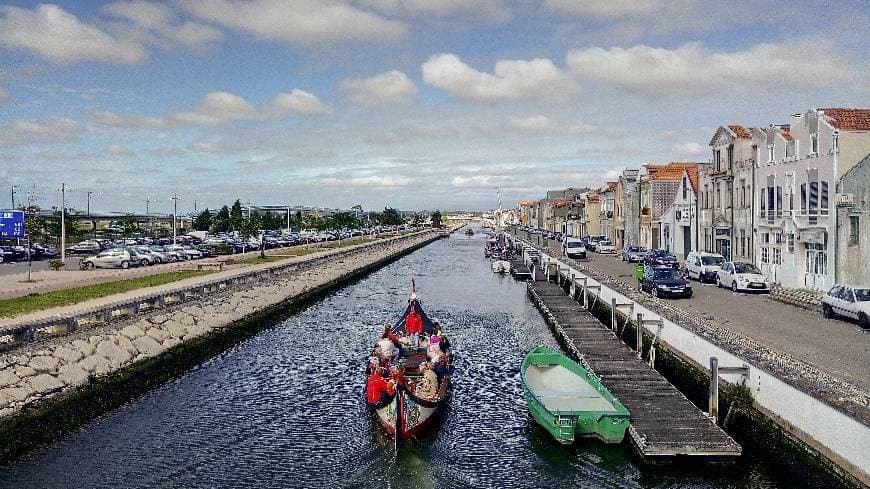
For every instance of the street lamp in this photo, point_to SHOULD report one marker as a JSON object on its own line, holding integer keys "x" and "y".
{"x": 62, "y": 191}
{"x": 13, "y": 196}
{"x": 174, "y": 217}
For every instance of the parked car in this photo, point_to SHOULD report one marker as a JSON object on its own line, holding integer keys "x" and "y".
{"x": 39, "y": 251}
{"x": 151, "y": 256}
{"x": 113, "y": 258}
{"x": 171, "y": 255}
{"x": 592, "y": 242}
{"x": 633, "y": 254}
{"x": 605, "y": 247}
{"x": 6, "y": 254}
{"x": 848, "y": 302}
{"x": 741, "y": 276}
{"x": 664, "y": 281}
{"x": 703, "y": 266}
{"x": 574, "y": 248}
{"x": 88, "y": 247}
{"x": 661, "y": 258}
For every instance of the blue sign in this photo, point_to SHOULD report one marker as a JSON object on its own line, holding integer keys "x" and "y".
{"x": 12, "y": 224}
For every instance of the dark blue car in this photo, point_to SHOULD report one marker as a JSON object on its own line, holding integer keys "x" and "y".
{"x": 665, "y": 282}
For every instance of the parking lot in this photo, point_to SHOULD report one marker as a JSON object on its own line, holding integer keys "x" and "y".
{"x": 834, "y": 346}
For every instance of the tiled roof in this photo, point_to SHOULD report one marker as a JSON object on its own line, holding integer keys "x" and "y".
{"x": 527, "y": 202}
{"x": 741, "y": 132}
{"x": 849, "y": 119}
{"x": 786, "y": 134}
{"x": 693, "y": 177}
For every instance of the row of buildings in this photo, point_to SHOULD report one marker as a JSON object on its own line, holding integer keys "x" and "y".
{"x": 789, "y": 198}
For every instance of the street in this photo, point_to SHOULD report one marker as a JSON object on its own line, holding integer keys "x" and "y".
{"x": 834, "y": 346}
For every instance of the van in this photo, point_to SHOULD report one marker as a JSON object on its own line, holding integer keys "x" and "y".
{"x": 574, "y": 247}
{"x": 703, "y": 266}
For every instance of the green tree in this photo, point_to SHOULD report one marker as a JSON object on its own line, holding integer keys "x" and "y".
{"x": 221, "y": 221}
{"x": 436, "y": 219}
{"x": 52, "y": 226}
{"x": 251, "y": 226}
{"x": 203, "y": 221}
{"x": 418, "y": 218}
{"x": 35, "y": 227}
{"x": 272, "y": 221}
{"x": 129, "y": 224}
{"x": 342, "y": 220}
{"x": 236, "y": 218}
{"x": 391, "y": 217}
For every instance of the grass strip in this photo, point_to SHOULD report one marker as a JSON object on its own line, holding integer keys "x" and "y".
{"x": 38, "y": 302}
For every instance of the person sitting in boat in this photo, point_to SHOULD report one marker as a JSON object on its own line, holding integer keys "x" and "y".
{"x": 378, "y": 389}
{"x": 441, "y": 368}
{"x": 414, "y": 326}
{"x": 443, "y": 342}
{"x": 374, "y": 361}
{"x": 427, "y": 386}
{"x": 433, "y": 352}
{"x": 389, "y": 343}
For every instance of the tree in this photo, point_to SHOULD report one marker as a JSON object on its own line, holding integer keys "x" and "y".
{"x": 271, "y": 221}
{"x": 342, "y": 220}
{"x": 71, "y": 222}
{"x": 129, "y": 224}
{"x": 250, "y": 226}
{"x": 203, "y": 221}
{"x": 418, "y": 219}
{"x": 436, "y": 219}
{"x": 391, "y": 217}
{"x": 221, "y": 221}
{"x": 236, "y": 219}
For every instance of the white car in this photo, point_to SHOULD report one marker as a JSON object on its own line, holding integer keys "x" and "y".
{"x": 741, "y": 276}
{"x": 574, "y": 248}
{"x": 703, "y": 266}
{"x": 605, "y": 247}
{"x": 114, "y": 258}
{"x": 848, "y": 302}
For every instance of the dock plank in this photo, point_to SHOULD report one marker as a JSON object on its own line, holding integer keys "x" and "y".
{"x": 664, "y": 422}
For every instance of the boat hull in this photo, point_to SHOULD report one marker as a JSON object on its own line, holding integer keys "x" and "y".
{"x": 404, "y": 418}
{"x": 571, "y": 403}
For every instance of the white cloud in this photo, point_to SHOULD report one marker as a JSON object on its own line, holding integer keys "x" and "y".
{"x": 299, "y": 22}
{"x": 52, "y": 129}
{"x": 156, "y": 24}
{"x": 512, "y": 79}
{"x": 60, "y": 37}
{"x": 688, "y": 149}
{"x": 535, "y": 123}
{"x": 492, "y": 10}
{"x": 298, "y": 101}
{"x": 612, "y": 9}
{"x": 217, "y": 108}
{"x": 111, "y": 119}
{"x": 392, "y": 87}
{"x": 694, "y": 69}
{"x": 117, "y": 151}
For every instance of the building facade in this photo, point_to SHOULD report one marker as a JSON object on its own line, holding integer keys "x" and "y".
{"x": 796, "y": 180}
{"x": 679, "y": 222}
{"x": 726, "y": 189}
{"x": 626, "y": 217}
{"x": 853, "y": 223}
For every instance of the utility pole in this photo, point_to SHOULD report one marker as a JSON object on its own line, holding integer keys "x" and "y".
{"x": 13, "y": 196}
{"x": 89, "y": 203}
{"x": 148, "y": 215}
{"x": 63, "y": 222}
{"x": 174, "y": 217}
{"x": 288, "y": 218}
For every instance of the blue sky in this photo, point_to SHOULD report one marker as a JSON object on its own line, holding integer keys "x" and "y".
{"x": 408, "y": 103}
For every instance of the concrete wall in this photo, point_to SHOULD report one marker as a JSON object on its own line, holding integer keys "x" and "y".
{"x": 853, "y": 258}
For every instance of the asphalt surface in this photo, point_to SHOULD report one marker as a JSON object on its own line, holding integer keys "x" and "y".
{"x": 834, "y": 346}
{"x": 11, "y": 268}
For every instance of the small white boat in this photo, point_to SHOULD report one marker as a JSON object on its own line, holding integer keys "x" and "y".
{"x": 501, "y": 266}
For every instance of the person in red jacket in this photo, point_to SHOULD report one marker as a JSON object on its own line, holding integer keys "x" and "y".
{"x": 414, "y": 326}
{"x": 378, "y": 389}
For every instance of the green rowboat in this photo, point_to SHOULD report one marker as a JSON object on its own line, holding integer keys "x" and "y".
{"x": 568, "y": 401}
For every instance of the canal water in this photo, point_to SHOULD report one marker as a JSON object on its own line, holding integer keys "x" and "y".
{"x": 286, "y": 409}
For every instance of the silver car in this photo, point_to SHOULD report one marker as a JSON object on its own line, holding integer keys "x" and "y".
{"x": 113, "y": 258}
{"x": 848, "y": 302}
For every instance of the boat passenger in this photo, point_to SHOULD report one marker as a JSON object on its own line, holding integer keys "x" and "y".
{"x": 388, "y": 343}
{"x": 443, "y": 342}
{"x": 414, "y": 326}
{"x": 427, "y": 387}
{"x": 434, "y": 350}
{"x": 378, "y": 389}
{"x": 441, "y": 368}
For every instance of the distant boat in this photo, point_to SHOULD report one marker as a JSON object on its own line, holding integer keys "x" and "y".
{"x": 568, "y": 401}
{"x": 501, "y": 266}
{"x": 469, "y": 232}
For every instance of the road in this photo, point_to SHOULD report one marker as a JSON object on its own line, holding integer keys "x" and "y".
{"x": 837, "y": 347}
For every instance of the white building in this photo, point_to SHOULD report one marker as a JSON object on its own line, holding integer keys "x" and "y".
{"x": 679, "y": 223}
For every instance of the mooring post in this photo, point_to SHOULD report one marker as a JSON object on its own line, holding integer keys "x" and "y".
{"x": 638, "y": 342}
{"x": 613, "y": 313}
{"x": 585, "y": 300}
{"x": 714, "y": 388}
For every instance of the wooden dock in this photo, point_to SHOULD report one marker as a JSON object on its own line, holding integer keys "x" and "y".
{"x": 664, "y": 423}
{"x": 519, "y": 270}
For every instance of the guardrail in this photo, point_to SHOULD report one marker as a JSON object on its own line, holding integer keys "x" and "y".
{"x": 16, "y": 335}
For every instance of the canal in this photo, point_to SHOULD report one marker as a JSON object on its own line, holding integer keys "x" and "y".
{"x": 285, "y": 408}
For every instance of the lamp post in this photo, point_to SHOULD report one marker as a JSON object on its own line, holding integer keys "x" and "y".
{"x": 63, "y": 222}
{"x": 174, "y": 217}
{"x": 13, "y": 196}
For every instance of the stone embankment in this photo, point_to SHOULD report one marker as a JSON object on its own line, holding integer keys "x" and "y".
{"x": 34, "y": 374}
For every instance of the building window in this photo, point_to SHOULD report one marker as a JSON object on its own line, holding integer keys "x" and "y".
{"x": 770, "y": 153}
{"x": 791, "y": 242}
{"x": 824, "y": 196}
{"x": 779, "y": 201}
{"x": 685, "y": 189}
{"x": 730, "y": 157}
{"x": 835, "y": 142}
{"x": 729, "y": 196}
{"x": 743, "y": 242}
{"x": 854, "y": 229}
{"x": 764, "y": 255}
{"x": 789, "y": 149}
{"x": 814, "y": 143}
{"x": 776, "y": 256}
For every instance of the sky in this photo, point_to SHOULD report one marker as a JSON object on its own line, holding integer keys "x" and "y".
{"x": 412, "y": 104}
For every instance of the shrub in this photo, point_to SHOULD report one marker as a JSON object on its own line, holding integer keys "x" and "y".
{"x": 55, "y": 264}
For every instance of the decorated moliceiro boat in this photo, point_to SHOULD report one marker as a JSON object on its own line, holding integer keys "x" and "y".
{"x": 568, "y": 401}
{"x": 409, "y": 383}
